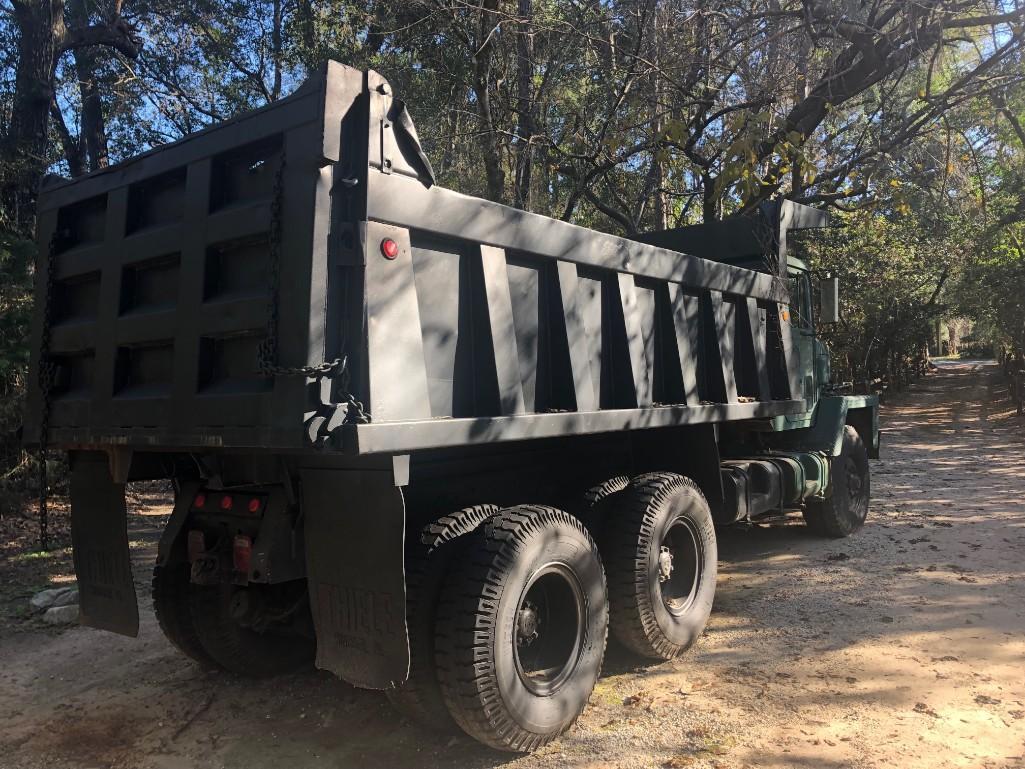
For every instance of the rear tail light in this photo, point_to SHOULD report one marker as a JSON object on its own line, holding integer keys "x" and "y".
{"x": 227, "y": 502}
{"x": 197, "y": 545}
{"x": 200, "y": 500}
{"x": 242, "y": 553}
{"x": 254, "y": 505}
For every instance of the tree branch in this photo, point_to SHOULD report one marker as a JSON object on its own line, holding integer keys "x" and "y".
{"x": 118, "y": 34}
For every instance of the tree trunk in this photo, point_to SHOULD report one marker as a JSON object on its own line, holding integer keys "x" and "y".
{"x": 658, "y": 171}
{"x": 448, "y": 157}
{"x": 490, "y": 146}
{"x": 74, "y": 149}
{"x": 276, "y": 50}
{"x": 710, "y": 198}
{"x": 93, "y": 130}
{"x": 42, "y": 39}
{"x": 524, "y": 104}
{"x": 307, "y": 34}
{"x": 40, "y": 25}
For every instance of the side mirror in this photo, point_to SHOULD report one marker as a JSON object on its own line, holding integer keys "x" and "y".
{"x": 829, "y": 299}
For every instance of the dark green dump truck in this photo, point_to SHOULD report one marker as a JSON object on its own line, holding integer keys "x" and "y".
{"x": 435, "y": 445}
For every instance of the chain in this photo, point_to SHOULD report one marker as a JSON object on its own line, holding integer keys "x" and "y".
{"x": 46, "y": 377}
{"x": 267, "y": 352}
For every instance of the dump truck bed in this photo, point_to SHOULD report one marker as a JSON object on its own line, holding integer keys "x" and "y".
{"x": 182, "y": 293}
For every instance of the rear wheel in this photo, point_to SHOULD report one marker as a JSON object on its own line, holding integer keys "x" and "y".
{"x": 844, "y": 510}
{"x": 427, "y": 561}
{"x": 590, "y": 507}
{"x": 171, "y": 589}
{"x": 257, "y": 631}
{"x": 521, "y": 628}
{"x": 661, "y": 561}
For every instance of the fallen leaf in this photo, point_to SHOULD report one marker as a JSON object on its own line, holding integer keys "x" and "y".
{"x": 678, "y": 761}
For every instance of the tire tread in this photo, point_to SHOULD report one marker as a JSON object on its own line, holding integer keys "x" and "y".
{"x": 825, "y": 516}
{"x": 632, "y": 617}
{"x": 419, "y": 697}
{"x": 170, "y": 590}
{"x": 466, "y": 614}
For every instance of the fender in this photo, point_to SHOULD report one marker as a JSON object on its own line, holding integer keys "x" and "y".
{"x": 832, "y": 413}
{"x": 865, "y": 419}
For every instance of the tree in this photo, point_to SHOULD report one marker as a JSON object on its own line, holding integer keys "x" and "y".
{"x": 44, "y": 35}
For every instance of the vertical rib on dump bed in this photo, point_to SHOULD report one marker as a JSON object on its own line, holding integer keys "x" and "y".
{"x": 489, "y": 323}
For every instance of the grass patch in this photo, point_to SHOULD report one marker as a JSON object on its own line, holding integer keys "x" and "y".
{"x": 40, "y": 555}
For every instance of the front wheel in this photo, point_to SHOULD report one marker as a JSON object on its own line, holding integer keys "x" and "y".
{"x": 845, "y": 507}
{"x": 521, "y": 628}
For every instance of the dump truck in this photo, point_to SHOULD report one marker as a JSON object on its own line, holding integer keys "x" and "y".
{"x": 430, "y": 443}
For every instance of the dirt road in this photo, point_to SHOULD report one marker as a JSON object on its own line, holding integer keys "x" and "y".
{"x": 903, "y": 646}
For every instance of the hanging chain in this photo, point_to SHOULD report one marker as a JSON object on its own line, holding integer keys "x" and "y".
{"x": 47, "y": 371}
{"x": 267, "y": 352}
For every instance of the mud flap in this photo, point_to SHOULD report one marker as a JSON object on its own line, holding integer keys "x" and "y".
{"x": 99, "y": 534}
{"x": 354, "y": 527}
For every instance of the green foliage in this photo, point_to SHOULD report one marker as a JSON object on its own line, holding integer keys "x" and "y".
{"x": 16, "y": 260}
{"x": 892, "y": 272}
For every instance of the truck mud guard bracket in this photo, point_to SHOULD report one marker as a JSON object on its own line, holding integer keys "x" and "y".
{"x": 99, "y": 534}
{"x": 355, "y": 528}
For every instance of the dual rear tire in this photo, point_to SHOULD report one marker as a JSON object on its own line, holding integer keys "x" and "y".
{"x": 523, "y": 608}
{"x": 202, "y": 622}
{"x": 661, "y": 558}
{"x": 521, "y": 628}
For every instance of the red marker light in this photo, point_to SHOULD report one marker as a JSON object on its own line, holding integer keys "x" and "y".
{"x": 242, "y": 553}
{"x": 226, "y": 502}
{"x": 389, "y": 248}
{"x": 254, "y": 505}
{"x": 199, "y": 501}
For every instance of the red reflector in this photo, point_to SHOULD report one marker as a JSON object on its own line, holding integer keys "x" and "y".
{"x": 254, "y": 505}
{"x": 226, "y": 502}
{"x": 242, "y": 553}
{"x": 197, "y": 545}
{"x": 199, "y": 501}
{"x": 389, "y": 248}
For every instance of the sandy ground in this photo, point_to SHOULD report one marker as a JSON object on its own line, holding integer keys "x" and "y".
{"x": 903, "y": 646}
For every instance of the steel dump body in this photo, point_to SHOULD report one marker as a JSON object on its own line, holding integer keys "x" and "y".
{"x": 489, "y": 324}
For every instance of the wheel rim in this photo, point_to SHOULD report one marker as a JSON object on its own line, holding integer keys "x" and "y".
{"x": 548, "y": 629}
{"x": 679, "y": 566}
